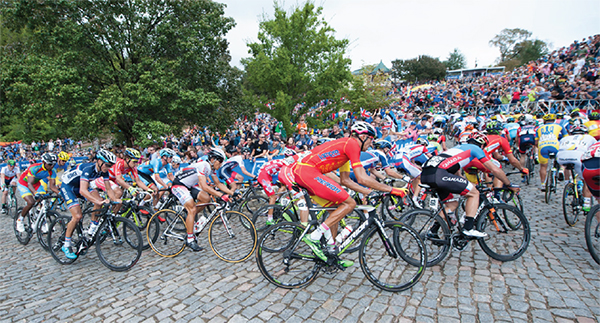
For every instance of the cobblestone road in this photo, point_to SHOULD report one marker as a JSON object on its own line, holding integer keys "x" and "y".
{"x": 555, "y": 281}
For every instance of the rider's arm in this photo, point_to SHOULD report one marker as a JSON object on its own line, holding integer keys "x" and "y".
{"x": 366, "y": 180}
{"x": 498, "y": 173}
{"x": 205, "y": 187}
{"x": 84, "y": 191}
{"x": 52, "y": 185}
{"x": 392, "y": 173}
{"x": 30, "y": 181}
{"x": 346, "y": 181}
{"x": 122, "y": 182}
{"x": 2, "y": 180}
{"x": 247, "y": 173}
{"x": 156, "y": 177}
{"x": 109, "y": 191}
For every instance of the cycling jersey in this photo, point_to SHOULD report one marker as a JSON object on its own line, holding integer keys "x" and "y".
{"x": 226, "y": 172}
{"x": 84, "y": 172}
{"x": 457, "y": 157}
{"x": 9, "y": 174}
{"x": 154, "y": 166}
{"x": 548, "y": 135}
{"x": 497, "y": 142}
{"x": 571, "y": 148}
{"x": 188, "y": 176}
{"x": 120, "y": 169}
{"x": 513, "y": 129}
{"x": 464, "y": 136}
{"x": 526, "y": 135}
{"x": 38, "y": 172}
{"x": 591, "y": 168}
{"x": 593, "y": 128}
{"x": 269, "y": 170}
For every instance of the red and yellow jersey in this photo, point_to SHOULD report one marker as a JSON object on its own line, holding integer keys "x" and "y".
{"x": 120, "y": 169}
{"x": 497, "y": 142}
{"x": 333, "y": 155}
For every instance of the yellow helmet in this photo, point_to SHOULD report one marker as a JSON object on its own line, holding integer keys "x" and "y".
{"x": 133, "y": 153}
{"x": 549, "y": 117}
{"x": 64, "y": 156}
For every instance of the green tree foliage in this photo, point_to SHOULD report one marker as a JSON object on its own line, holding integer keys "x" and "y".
{"x": 456, "y": 60}
{"x": 297, "y": 59}
{"x": 506, "y": 41}
{"x": 127, "y": 67}
{"x": 422, "y": 68}
{"x": 366, "y": 91}
{"x": 516, "y": 49}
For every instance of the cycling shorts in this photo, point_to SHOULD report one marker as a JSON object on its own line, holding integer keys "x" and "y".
{"x": 99, "y": 183}
{"x": 226, "y": 174}
{"x": 445, "y": 182}
{"x": 565, "y": 157}
{"x": 526, "y": 141}
{"x": 24, "y": 190}
{"x": 265, "y": 181}
{"x": 410, "y": 168}
{"x": 147, "y": 179}
{"x": 591, "y": 175}
{"x": 184, "y": 194}
{"x": 71, "y": 195}
{"x": 10, "y": 182}
{"x": 544, "y": 151}
{"x": 319, "y": 185}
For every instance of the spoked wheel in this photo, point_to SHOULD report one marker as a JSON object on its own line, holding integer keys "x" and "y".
{"x": 44, "y": 227}
{"x": 434, "y": 232}
{"x": 397, "y": 264}
{"x": 172, "y": 234}
{"x": 119, "y": 244}
{"x": 283, "y": 259}
{"x": 260, "y": 217}
{"x": 505, "y": 241}
{"x": 570, "y": 204}
{"x": 25, "y": 235}
{"x": 56, "y": 239}
{"x": 592, "y": 232}
{"x": 548, "y": 191}
{"x": 252, "y": 204}
{"x": 232, "y": 236}
{"x": 141, "y": 219}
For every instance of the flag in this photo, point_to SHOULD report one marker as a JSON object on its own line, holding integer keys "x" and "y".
{"x": 364, "y": 113}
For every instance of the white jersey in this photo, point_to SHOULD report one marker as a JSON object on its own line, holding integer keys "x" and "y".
{"x": 576, "y": 142}
{"x": 188, "y": 176}
{"x": 9, "y": 174}
{"x": 233, "y": 162}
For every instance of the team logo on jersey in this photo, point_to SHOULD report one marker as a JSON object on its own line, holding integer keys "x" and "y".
{"x": 329, "y": 154}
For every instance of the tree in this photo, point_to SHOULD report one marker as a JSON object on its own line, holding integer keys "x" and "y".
{"x": 506, "y": 41}
{"x": 529, "y": 50}
{"x": 422, "y": 68}
{"x": 121, "y": 67}
{"x": 456, "y": 60}
{"x": 297, "y": 60}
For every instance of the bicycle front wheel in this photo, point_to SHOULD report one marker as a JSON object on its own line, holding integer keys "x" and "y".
{"x": 383, "y": 256}
{"x": 252, "y": 204}
{"x": 171, "y": 239}
{"x": 13, "y": 207}
{"x": 548, "y": 187}
{"x": 282, "y": 264}
{"x": 505, "y": 242}
{"x": 25, "y": 235}
{"x": 141, "y": 218}
{"x": 592, "y": 232}
{"x": 119, "y": 244}
{"x": 434, "y": 232}
{"x": 570, "y": 203}
{"x": 232, "y": 236}
{"x": 44, "y": 226}
{"x": 56, "y": 239}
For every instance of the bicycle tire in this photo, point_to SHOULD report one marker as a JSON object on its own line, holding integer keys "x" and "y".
{"x": 171, "y": 241}
{"x": 503, "y": 242}
{"x": 592, "y": 233}
{"x": 13, "y": 206}
{"x": 274, "y": 256}
{"x": 25, "y": 236}
{"x": 119, "y": 244}
{"x": 570, "y": 204}
{"x": 232, "y": 236}
{"x": 354, "y": 219}
{"x": 44, "y": 226}
{"x": 548, "y": 186}
{"x": 142, "y": 219}
{"x": 437, "y": 247}
{"x": 399, "y": 274}
{"x": 56, "y": 239}
{"x": 252, "y": 204}
{"x": 259, "y": 218}
{"x": 394, "y": 207}
{"x": 511, "y": 198}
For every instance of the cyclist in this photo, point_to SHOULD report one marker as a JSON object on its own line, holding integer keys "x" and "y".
{"x": 526, "y": 137}
{"x": 496, "y": 144}
{"x": 593, "y": 125}
{"x": 60, "y": 168}
{"x": 571, "y": 149}
{"x": 226, "y": 171}
{"x": 512, "y": 128}
{"x": 8, "y": 177}
{"x": 76, "y": 184}
{"x": 127, "y": 166}
{"x": 149, "y": 172}
{"x": 438, "y": 136}
{"x": 342, "y": 153}
{"x": 547, "y": 139}
{"x": 191, "y": 184}
{"x": 441, "y": 172}
{"x": 382, "y": 149}
{"x": 30, "y": 183}
{"x": 591, "y": 169}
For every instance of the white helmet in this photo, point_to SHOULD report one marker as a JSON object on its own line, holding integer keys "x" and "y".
{"x": 176, "y": 160}
{"x": 217, "y": 153}
{"x": 361, "y": 127}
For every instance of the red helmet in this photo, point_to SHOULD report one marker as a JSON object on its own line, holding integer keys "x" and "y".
{"x": 479, "y": 139}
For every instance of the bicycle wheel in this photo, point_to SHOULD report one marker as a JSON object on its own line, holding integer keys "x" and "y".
{"x": 252, "y": 204}
{"x": 13, "y": 207}
{"x": 171, "y": 240}
{"x": 282, "y": 264}
{"x": 394, "y": 207}
{"x": 353, "y": 219}
{"x": 570, "y": 204}
{"x": 232, "y": 236}
{"x": 141, "y": 218}
{"x": 592, "y": 232}
{"x": 56, "y": 239}
{"x": 119, "y": 243}
{"x": 437, "y": 241}
{"x": 548, "y": 186}
{"x": 385, "y": 264}
{"x": 503, "y": 242}
{"x": 26, "y": 235}
{"x": 44, "y": 226}
{"x": 259, "y": 218}
{"x": 514, "y": 199}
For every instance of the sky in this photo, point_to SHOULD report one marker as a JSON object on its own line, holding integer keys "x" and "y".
{"x": 381, "y": 30}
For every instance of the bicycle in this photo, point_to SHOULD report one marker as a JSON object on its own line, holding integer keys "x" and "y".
{"x": 36, "y": 221}
{"x": 118, "y": 240}
{"x": 136, "y": 210}
{"x": 572, "y": 199}
{"x": 592, "y": 232}
{"x": 231, "y": 234}
{"x": 551, "y": 177}
{"x": 529, "y": 163}
{"x": 384, "y": 253}
{"x": 501, "y": 222}
{"x": 12, "y": 203}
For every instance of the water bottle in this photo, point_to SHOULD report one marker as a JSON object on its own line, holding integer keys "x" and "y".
{"x": 344, "y": 234}
{"x": 579, "y": 186}
{"x": 199, "y": 225}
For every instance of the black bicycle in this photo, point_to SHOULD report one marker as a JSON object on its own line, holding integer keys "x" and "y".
{"x": 118, "y": 240}
{"x": 37, "y": 220}
{"x": 592, "y": 232}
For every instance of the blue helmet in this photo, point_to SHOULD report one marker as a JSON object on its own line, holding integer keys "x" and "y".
{"x": 167, "y": 152}
{"x": 106, "y": 156}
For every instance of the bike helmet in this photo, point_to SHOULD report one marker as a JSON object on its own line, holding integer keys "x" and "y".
{"x": 361, "y": 127}
{"x": 478, "y": 138}
{"x": 11, "y": 162}
{"x": 106, "y": 156}
{"x": 510, "y": 120}
{"x": 49, "y": 158}
{"x": 323, "y": 140}
{"x": 133, "y": 153}
{"x": 549, "y": 117}
{"x": 469, "y": 127}
{"x": 493, "y": 127}
{"x": 594, "y": 116}
{"x": 167, "y": 152}
{"x": 72, "y": 162}
{"x": 176, "y": 160}
{"x": 63, "y": 156}
{"x": 539, "y": 114}
{"x": 438, "y": 131}
{"x": 578, "y": 129}
{"x": 288, "y": 152}
{"x": 382, "y": 144}
{"x": 217, "y": 154}
{"x": 560, "y": 116}
{"x": 422, "y": 141}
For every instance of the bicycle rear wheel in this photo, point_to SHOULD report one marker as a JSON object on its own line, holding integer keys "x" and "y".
{"x": 141, "y": 218}
{"x": 44, "y": 226}
{"x": 171, "y": 239}
{"x": 259, "y": 218}
{"x": 26, "y": 235}
{"x": 232, "y": 236}
{"x": 56, "y": 239}
{"x": 505, "y": 242}
{"x": 570, "y": 204}
{"x": 438, "y": 242}
{"x": 119, "y": 244}
{"x": 383, "y": 256}
{"x": 252, "y": 204}
{"x": 13, "y": 207}
{"x": 280, "y": 263}
{"x": 548, "y": 186}
{"x": 394, "y": 206}
{"x": 592, "y": 233}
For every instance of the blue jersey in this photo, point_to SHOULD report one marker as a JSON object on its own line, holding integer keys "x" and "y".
{"x": 84, "y": 172}
{"x": 513, "y": 129}
{"x": 154, "y": 166}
